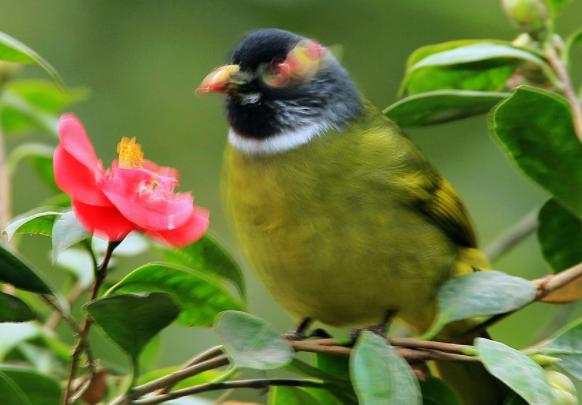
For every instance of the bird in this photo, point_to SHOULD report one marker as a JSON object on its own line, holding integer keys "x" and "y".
{"x": 341, "y": 215}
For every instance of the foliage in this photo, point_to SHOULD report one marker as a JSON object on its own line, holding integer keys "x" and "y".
{"x": 535, "y": 118}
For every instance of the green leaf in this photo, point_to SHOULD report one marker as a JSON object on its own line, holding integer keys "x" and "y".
{"x": 79, "y": 264}
{"x": 45, "y": 95}
{"x": 516, "y": 370}
{"x": 441, "y": 106}
{"x": 566, "y": 344}
{"x": 36, "y": 388}
{"x": 10, "y": 393}
{"x": 12, "y": 50}
{"x": 40, "y": 157}
{"x": 15, "y": 333}
{"x": 535, "y": 129}
{"x": 202, "y": 378}
{"x": 13, "y": 309}
{"x": 132, "y": 320}
{"x": 291, "y": 396}
{"x": 67, "y": 232}
{"x": 251, "y": 342}
{"x": 15, "y": 271}
{"x": 337, "y": 367}
{"x": 19, "y": 116}
{"x": 468, "y": 65}
{"x": 200, "y": 296}
{"x": 380, "y": 376}
{"x": 436, "y": 392}
{"x": 560, "y": 236}
{"x": 208, "y": 256}
{"x": 32, "y": 223}
{"x": 480, "y": 294}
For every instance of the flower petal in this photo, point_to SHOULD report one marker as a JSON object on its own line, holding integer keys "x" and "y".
{"x": 77, "y": 179}
{"x": 147, "y": 199}
{"x": 188, "y": 233}
{"x": 74, "y": 140}
{"x": 105, "y": 222}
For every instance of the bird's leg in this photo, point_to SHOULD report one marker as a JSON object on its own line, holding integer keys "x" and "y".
{"x": 379, "y": 329}
{"x": 299, "y": 332}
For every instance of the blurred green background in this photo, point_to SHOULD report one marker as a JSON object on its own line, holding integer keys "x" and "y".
{"x": 142, "y": 59}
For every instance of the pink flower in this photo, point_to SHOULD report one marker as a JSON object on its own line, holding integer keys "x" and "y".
{"x": 133, "y": 195}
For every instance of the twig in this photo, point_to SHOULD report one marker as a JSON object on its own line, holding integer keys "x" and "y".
{"x": 567, "y": 88}
{"x": 512, "y": 236}
{"x": 259, "y": 383}
{"x": 199, "y": 358}
{"x": 179, "y": 375}
{"x": 84, "y": 332}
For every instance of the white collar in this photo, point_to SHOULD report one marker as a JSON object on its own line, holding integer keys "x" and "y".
{"x": 282, "y": 142}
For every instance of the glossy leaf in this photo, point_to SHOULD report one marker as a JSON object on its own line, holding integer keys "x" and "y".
{"x": 67, "y": 232}
{"x": 380, "y": 376}
{"x": 18, "y": 116}
{"x": 12, "y": 50}
{"x": 38, "y": 389}
{"x": 132, "y": 320}
{"x": 467, "y": 65}
{"x": 32, "y": 223}
{"x": 79, "y": 264}
{"x": 13, "y": 309}
{"x": 480, "y": 294}
{"x": 441, "y": 106}
{"x": 251, "y": 342}
{"x": 337, "y": 367}
{"x": 566, "y": 344}
{"x": 40, "y": 157}
{"x": 200, "y": 296}
{"x": 208, "y": 256}
{"x": 10, "y": 393}
{"x": 15, "y": 333}
{"x": 291, "y": 396}
{"x": 46, "y": 96}
{"x": 436, "y": 392}
{"x": 15, "y": 271}
{"x": 560, "y": 236}
{"x": 202, "y": 378}
{"x": 535, "y": 129}
{"x": 516, "y": 370}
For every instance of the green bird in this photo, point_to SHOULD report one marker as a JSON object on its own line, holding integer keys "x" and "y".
{"x": 340, "y": 214}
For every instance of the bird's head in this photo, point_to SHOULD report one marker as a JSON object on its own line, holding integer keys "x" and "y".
{"x": 282, "y": 89}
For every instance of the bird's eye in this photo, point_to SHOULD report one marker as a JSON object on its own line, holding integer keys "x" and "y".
{"x": 277, "y": 73}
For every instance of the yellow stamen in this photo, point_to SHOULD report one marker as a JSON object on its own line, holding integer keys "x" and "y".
{"x": 130, "y": 153}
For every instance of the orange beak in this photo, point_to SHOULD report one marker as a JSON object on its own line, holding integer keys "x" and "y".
{"x": 219, "y": 80}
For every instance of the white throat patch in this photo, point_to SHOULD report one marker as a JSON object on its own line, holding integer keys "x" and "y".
{"x": 277, "y": 143}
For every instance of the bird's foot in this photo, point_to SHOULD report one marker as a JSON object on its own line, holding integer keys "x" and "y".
{"x": 380, "y": 329}
{"x": 299, "y": 332}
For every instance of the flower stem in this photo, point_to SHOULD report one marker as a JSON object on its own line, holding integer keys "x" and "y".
{"x": 100, "y": 276}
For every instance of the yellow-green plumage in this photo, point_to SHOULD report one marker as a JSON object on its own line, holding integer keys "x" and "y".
{"x": 350, "y": 225}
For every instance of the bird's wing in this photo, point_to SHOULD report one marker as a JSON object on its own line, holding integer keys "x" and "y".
{"x": 417, "y": 183}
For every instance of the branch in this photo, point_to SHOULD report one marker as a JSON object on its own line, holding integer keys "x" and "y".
{"x": 84, "y": 332}
{"x": 512, "y": 236}
{"x": 567, "y": 88}
{"x": 259, "y": 383}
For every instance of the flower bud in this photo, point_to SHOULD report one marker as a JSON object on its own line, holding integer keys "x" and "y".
{"x": 563, "y": 389}
{"x": 528, "y": 15}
